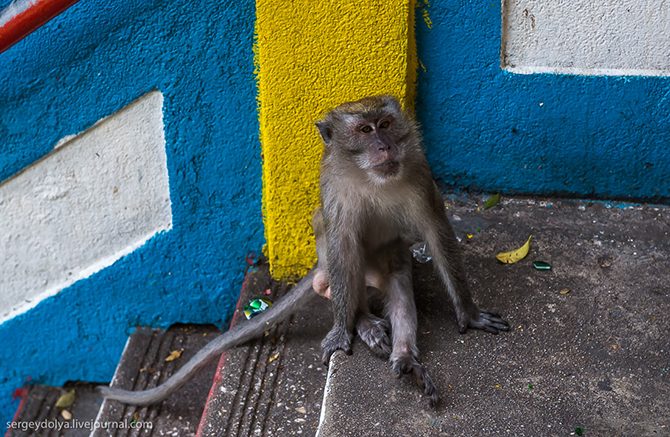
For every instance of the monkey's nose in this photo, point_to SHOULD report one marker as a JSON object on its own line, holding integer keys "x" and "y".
{"x": 383, "y": 147}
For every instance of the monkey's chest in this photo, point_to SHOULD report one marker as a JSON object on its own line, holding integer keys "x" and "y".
{"x": 383, "y": 230}
{"x": 391, "y": 218}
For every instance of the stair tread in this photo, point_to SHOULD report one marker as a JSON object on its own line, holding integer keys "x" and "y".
{"x": 40, "y": 405}
{"x": 273, "y": 385}
{"x": 143, "y": 365}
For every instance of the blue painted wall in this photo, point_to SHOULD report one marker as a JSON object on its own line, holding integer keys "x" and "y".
{"x": 598, "y": 137}
{"x": 86, "y": 64}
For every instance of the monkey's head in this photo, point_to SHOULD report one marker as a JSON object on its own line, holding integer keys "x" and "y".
{"x": 373, "y": 133}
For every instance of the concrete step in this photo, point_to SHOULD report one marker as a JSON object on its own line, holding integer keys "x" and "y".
{"x": 588, "y": 350}
{"x": 272, "y": 386}
{"x": 587, "y": 353}
{"x": 143, "y": 365}
{"x": 38, "y": 409}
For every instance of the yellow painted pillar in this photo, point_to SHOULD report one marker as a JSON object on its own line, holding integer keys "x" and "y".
{"x": 312, "y": 56}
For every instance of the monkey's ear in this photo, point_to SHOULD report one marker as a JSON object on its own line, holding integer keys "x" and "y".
{"x": 392, "y": 104}
{"x": 325, "y": 130}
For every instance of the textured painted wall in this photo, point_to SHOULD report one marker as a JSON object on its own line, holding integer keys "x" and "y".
{"x": 313, "y": 56}
{"x": 96, "y": 58}
{"x": 544, "y": 134}
{"x": 98, "y": 197}
{"x": 614, "y": 37}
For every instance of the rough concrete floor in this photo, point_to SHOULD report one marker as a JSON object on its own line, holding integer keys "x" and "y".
{"x": 588, "y": 353}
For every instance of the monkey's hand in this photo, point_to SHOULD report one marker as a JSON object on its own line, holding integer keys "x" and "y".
{"x": 339, "y": 338}
{"x": 486, "y": 321}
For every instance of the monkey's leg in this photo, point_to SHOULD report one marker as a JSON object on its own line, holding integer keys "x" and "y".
{"x": 401, "y": 310}
{"x": 373, "y": 330}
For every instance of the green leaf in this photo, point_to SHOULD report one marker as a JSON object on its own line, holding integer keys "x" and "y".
{"x": 492, "y": 201}
{"x": 66, "y": 400}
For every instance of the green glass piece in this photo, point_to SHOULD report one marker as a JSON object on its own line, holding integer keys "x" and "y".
{"x": 256, "y": 306}
{"x": 541, "y": 265}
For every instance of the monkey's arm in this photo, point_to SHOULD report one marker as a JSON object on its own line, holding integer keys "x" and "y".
{"x": 449, "y": 265}
{"x": 239, "y": 334}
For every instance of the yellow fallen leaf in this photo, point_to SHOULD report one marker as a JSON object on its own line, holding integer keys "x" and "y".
{"x": 65, "y": 414}
{"x": 515, "y": 255}
{"x": 273, "y": 357}
{"x": 66, "y": 400}
{"x": 174, "y": 355}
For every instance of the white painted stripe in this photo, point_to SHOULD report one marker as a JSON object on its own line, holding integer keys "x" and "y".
{"x": 608, "y": 37}
{"x": 15, "y": 8}
{"x": 585, "y": 71}
{"x": 105, "y": 401}
{"x": 332, "y": 368}
{"x": 91, "y": 201}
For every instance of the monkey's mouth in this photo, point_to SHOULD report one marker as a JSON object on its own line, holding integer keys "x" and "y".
{"x": 387, "y": 168}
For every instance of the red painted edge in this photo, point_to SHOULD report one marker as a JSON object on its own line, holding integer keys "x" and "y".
{"x": 19, "y": 409}
{"x": 218, "y": 376}
{"x": 31, "y": 19}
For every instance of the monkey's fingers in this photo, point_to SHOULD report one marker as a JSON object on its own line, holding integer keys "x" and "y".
{"x": 430, "y": 390}
{"x": 489, "y": 322}
{"x": 374, "y": 332}
{"x": 337, "y": 339}
{"x": 408, "y": 364}
{"x": 496, "y": 320}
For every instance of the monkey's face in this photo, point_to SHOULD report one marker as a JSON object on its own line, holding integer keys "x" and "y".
{"x": 370, "y": 134}
{"x": 375, "y": 148}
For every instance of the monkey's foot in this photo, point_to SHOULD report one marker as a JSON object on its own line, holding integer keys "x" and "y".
{"x": 337, "y": 339}
{"x": 487, "y": 321}
{"x": 374, "y": 332}
{"x": 407, "y": 364}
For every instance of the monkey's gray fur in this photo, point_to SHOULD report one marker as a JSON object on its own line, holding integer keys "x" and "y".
{"x": 377, "y": 199}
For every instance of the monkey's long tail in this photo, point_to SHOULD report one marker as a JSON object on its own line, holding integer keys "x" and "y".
{"x": 241, "y": 333}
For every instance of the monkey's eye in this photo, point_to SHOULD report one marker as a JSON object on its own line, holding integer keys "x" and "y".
{"x": 366, "y": 129}
{"x": 384, "y": 124}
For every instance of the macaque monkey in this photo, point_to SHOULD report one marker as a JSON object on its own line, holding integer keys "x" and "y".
{"x": 377, "y": 199}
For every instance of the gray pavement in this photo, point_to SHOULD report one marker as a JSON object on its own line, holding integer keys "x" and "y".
{"x": 588, "y": 353}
